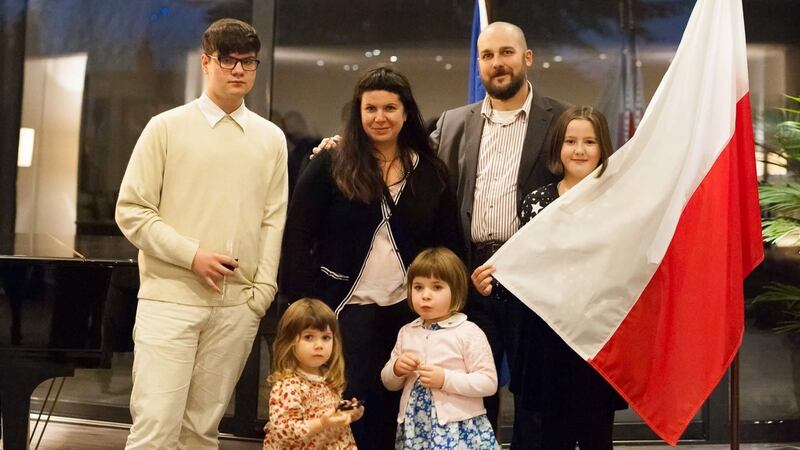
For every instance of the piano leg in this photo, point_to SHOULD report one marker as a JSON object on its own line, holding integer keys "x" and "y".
{"x": 16, "y": 386}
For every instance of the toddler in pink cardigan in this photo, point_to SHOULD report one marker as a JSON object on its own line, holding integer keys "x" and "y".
{"x": 442, "y": 362}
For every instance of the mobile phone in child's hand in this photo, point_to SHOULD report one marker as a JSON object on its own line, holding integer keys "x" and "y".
{"x": 347, "y": 405}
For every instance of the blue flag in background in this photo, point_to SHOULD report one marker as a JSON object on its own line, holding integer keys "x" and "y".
{"x": 479, "y": 22}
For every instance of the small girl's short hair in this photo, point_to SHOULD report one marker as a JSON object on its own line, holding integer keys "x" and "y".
{"x": 301, "y": 315}
{"x": 600, "y": 126}
{"x": 441, "y": 263}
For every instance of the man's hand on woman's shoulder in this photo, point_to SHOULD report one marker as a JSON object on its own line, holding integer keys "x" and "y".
{"x": 328, "y": 143}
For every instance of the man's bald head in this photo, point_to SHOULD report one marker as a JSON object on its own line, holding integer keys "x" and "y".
{"x": 503, "y": 57}
{"x": 505, "y": 31}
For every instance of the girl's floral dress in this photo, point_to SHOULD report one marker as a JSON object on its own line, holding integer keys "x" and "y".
{"x": 421, "y": 430}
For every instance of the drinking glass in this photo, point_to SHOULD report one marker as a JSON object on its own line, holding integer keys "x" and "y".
{"x": 231, "y": 249}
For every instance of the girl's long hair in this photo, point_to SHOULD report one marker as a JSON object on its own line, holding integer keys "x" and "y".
{"x": 355, "y": 169}
{"x": 303, "y": 314}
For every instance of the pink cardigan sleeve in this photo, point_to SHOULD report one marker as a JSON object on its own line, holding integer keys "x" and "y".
{"x": 480, "y": 378}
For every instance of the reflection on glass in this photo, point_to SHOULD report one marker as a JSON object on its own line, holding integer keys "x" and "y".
{"x": 27, "y": 138}
{"x": 138, "y": 61}
{"x": 51, "y": 103}
{"x": 772, "y": 394}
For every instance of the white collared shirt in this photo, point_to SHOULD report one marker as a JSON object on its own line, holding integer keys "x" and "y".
{"x": 453, "y": 320}
{"x": 214, "y": 113}
{"x": 383, "y": 279}
{"x": 494, "y": 211}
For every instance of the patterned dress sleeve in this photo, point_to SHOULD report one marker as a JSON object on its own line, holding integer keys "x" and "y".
{"x": 536, "y": 201}
{"x": 287, "y": 417}
{"x": 532, "y": 205}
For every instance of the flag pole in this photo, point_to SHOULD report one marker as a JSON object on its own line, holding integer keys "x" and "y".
{"x": 734, "y": 400}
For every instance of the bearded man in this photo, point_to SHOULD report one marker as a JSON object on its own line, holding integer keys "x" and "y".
{"x": 497, "y": 151}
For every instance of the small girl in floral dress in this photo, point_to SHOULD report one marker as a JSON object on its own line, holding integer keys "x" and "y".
{"x": 306, "y": 411}
{"x": 442, "y": 362}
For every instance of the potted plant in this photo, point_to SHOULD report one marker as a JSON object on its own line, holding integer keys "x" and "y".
{"x": 780, "y": 203}
{"x": 781, "y": 206}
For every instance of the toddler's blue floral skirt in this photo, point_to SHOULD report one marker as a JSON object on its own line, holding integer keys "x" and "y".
{"x": 421, "y": 430}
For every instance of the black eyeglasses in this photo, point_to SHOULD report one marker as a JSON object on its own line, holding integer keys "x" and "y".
{"x": 229, "y": 62}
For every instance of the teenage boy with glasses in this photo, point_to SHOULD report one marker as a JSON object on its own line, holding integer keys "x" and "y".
{"x": 204, "y": 200}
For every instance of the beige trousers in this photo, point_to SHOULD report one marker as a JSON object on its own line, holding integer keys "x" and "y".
{"x": 187, "y": 360}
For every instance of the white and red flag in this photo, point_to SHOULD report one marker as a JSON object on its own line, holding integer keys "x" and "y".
{"x": 640, "y": 271}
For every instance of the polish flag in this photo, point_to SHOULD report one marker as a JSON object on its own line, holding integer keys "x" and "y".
{"x": 640, "y": 271}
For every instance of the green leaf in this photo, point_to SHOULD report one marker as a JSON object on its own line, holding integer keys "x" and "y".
{"x": 789, "y": 295}
{"x": 779, "y": 292}
{"x": 780, "y": 199}
{"x": 773, "y": 230}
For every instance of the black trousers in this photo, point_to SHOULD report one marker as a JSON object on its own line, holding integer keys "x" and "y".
{"x": 527, "y": 428}
{"x": 590, "y": 431}
{"x": 369, "y": 333}
{"x": 500, "y": 317}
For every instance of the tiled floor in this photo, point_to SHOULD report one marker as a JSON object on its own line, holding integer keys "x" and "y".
{"x": 64, "y": 436}
{"x": 67, "y": 436}
{"x": 655, "y": 446}
{"x": 770, "y": 388}
{"x": 770, "y": 381}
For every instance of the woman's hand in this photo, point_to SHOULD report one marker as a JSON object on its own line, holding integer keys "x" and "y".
{"x": 482, "y": 279}
{"x": 405, "y": 364}
{"x": 431, "y": 377}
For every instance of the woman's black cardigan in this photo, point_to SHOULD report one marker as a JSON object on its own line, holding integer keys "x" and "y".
{"x": 328, "y": 237}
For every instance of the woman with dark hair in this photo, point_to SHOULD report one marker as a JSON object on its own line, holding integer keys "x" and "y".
{"x": 357, "y": 219}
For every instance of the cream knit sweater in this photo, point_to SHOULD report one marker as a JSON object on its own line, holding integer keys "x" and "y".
{"x": 189, "y": 184}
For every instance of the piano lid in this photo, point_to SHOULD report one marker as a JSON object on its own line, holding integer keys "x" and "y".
{"x": 95, "y": 248}
{"x": 65, "y": 295}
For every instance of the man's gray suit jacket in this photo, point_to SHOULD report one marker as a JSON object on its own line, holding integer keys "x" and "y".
{"x": 457, "y": 139}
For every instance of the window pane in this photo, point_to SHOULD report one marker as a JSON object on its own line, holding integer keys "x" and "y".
{"x": 95, "y": 72}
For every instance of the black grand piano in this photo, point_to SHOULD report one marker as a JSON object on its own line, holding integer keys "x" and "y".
{"x": 65, "y": 303}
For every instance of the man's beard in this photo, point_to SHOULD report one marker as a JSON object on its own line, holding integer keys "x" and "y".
{"x": 507, "y": 91}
